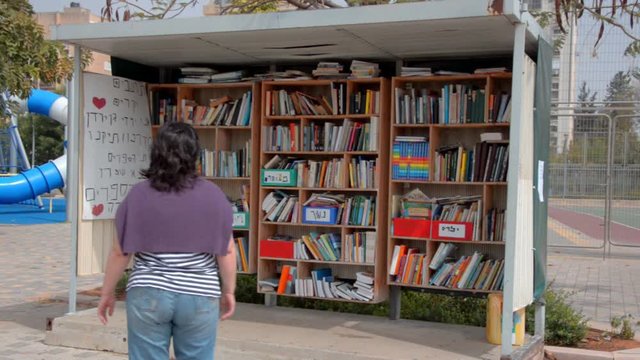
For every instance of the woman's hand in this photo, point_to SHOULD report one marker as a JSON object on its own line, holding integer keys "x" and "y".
{"x": 227, "y": 306}
{"x": 106, "y": 306}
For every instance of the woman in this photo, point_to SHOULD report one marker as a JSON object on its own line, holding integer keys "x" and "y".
{"x": 178, "y": 228}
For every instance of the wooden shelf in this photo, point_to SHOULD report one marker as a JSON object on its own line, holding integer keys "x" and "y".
{"x": 319, "y": 117}
{"x": 328, "y": 153}
{"x": 227, "y": 178}
{"x": 319, "y": 189}
{"x": 213, "y": 127}
{"x": 467, "y": 135}
{"x": 338, "y": 226}
{"x": 318, "y": 261}
{"x": 445, "y": 288}
{"x": 467, "y": 183}
{"x": 223, "y": 138}
{"x": 267, "y": 268}
{"x": 452, "y": 126}
{"x": 451, "y": 241}
{"x": 374, "y": 301}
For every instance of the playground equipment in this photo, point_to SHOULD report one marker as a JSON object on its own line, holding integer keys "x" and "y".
{"x": 44, "y": 178}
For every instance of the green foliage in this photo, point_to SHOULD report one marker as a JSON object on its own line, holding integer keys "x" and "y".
{"x": 251, "y": 7}
{"x": 564, "y": 325}
{"x": 121, "y": 285}
{"x": 443, "y": 308}
{"x": 26, "y": 56}
{"x": 49, "y": 137}
{"x": 625, "y": 330}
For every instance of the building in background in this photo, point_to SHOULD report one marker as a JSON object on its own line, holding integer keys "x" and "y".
{"x": 75, "y": 14}
{"x": 563, "y": 83}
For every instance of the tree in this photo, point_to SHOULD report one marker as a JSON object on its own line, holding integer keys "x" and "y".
{"x": 590, "y": 142}
{"x": 585, "y": 124}
{"x": 49, "y": 137}
{"x": 26, "y": 56}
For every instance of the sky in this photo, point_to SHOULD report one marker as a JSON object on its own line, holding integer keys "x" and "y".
{"x": 598, "y": 69}
{"x": 96, "y": 5}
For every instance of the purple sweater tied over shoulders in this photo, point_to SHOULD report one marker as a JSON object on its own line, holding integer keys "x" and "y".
{"x": 194, "y": 220}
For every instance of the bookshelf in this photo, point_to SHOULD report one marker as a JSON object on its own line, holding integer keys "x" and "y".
{"x": 354, "y": 172}
{"x": 439, "y": 121}
{"x": 230, "y": 140}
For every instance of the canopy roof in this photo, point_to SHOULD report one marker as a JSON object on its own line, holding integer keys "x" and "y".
{"x": 450, "y": 28}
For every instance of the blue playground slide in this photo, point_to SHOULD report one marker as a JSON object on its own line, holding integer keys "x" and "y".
{"x": 47, "y": 177}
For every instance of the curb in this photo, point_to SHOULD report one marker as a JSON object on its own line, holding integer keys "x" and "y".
{"x": 564, "y": 353}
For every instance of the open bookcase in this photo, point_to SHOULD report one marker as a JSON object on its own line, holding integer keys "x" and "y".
{"x": 323, "y": 189}
{"x": 226, "y": 117}
{"x": 441, "y": 122}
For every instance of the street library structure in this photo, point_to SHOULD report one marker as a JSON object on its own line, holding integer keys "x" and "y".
{"x": 365, "y": 150}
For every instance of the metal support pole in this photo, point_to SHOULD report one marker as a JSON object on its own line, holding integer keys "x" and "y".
{"x": 394, "y": 302}
{"x": 540, "y": 317}
{"x": 270, "y": 300}
{"x": 566, "y": 160}
{"x": 609, "y": 190}
{"x": 72, "y": 172}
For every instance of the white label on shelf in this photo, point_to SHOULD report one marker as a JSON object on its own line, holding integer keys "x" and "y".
{"x": 451, "y": 230}
{"x": 277, "y": 177}
{"x": 317, "y": 214}
{"x": 239, "y": 219}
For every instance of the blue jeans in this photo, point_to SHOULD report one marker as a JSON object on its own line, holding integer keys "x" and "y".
{"x": 155, "y": 315}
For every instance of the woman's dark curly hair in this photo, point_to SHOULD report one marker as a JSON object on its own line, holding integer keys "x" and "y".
{"x": 174, "y": 154}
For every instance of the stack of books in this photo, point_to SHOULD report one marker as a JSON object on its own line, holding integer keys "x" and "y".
{"x": 195, "y": 75}
{"x": 329, "y": 70}
{"x": 363, "y": 70}
{"x": 415, "y": 71}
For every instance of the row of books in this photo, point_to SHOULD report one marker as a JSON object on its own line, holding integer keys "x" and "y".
{"x": 324, "y": 247}
{"x": 329, "y": 173}
{"x": 223, "y": 111}
{"x": 365, "y": 102}
{"x": 281, "y": 207}
{"x": 321, "y": 284}
{"x": 349, "y": 136}
{"x": 488, "y": 161}
{"x": 242, "y": 253}
{"x": 166, "y": 111}
{"x": 358, "y": 210}
{"x": 467, "y": 209}
{"x": 494, "y": 225}
{"x": 453, "y": 104}
{"x": 283, "y": 103}
{"x": 410, "y": 158}
{"x": 409, "y": 266}
{"x": 229, "y": 163}
{"x": 400, "y": 268}
{"x": 470, "y": 272}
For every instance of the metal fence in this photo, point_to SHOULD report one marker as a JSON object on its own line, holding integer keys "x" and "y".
{"x": 594, "y": 177}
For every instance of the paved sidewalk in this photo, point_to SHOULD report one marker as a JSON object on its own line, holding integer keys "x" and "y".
{"x": 35, "y": 270}
{"x": 601, "y": 289}
{"x": 33, "y": 287}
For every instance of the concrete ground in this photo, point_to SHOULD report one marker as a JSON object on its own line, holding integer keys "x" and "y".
{"x": 35, "y": 279}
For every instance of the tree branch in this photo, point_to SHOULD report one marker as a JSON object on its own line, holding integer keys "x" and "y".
{"x": 611, "y": 22}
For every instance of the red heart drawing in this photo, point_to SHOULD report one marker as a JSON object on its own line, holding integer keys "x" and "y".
{"x": 99, "y": 102}
{"x": 97, "y": 209}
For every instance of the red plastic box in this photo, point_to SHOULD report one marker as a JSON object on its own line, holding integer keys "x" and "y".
{"x": 416, "y": 228}
{"x": 276, "y": 249}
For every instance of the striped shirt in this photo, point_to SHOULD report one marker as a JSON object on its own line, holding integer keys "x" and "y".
{"x": 186, "y": 273}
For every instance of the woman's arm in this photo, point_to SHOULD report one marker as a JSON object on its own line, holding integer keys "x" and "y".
{"x": 227, "y": 267}
{"x": 116, "y": 264}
